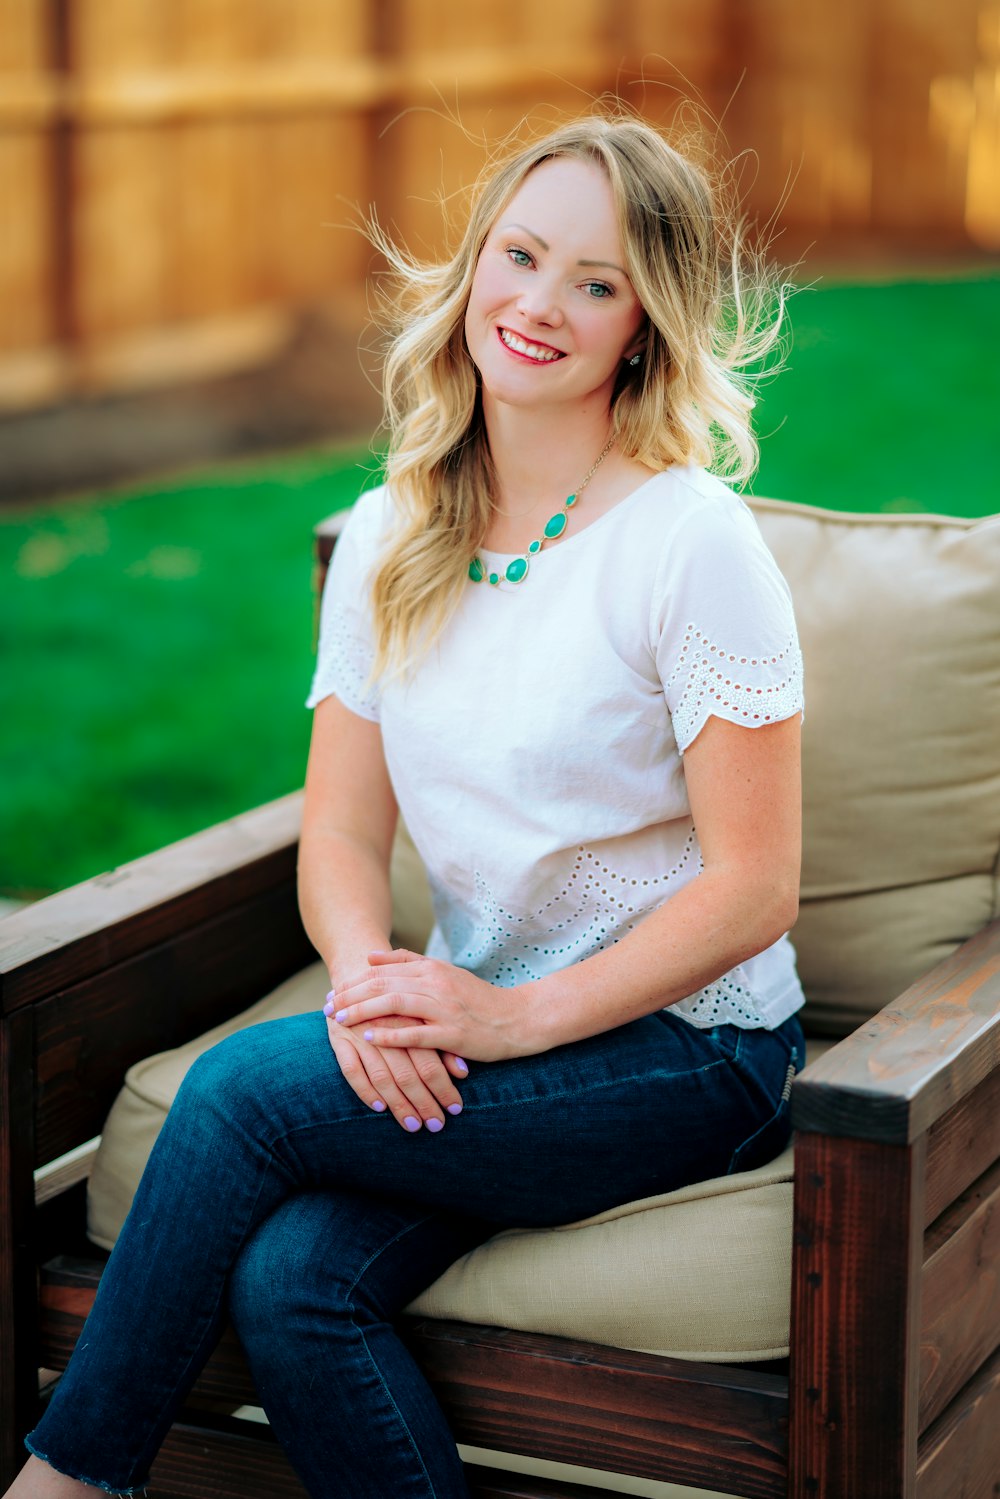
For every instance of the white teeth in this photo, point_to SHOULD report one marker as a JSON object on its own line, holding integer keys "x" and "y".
{"x": 533, "y": 351}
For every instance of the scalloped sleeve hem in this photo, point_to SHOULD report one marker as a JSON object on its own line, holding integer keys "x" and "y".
{"x": 723, "y": 629}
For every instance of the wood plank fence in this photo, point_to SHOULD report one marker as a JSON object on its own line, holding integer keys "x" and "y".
{"x": 176, "y": 175}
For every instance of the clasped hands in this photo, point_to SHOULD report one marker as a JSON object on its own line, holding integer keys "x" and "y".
{"x": 401, "y": 1029}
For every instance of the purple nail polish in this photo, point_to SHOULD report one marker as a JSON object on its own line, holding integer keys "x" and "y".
{"x": 454, "y": 1108}
{"x": 411, "y": 1124}
{"x": 369, "y": 1035}
{"x": 462, "y": 1066}
{"x": 340, "y": 1016}
{"x": 328, "y": 1009}
{"x": 435, "y": 1126}
{"x": 378, "y": 1106}
{"x": 331, "y": 995}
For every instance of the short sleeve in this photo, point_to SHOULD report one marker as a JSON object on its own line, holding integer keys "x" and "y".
{"x": 346, "y": 646}
{"x": 724, "y": 629}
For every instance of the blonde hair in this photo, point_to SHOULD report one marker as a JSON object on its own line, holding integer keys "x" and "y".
{"x": 713, "y": 312}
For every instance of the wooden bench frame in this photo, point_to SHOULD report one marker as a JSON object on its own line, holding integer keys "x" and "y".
{"x": 892, "y": 1388}
{"x": 893, "y": 1385}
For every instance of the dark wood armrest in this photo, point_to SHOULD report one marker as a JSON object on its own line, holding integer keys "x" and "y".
{"x": 93, "y": 926}
{"x": 142, "y": 959}
{"x": 898, "y": 1074}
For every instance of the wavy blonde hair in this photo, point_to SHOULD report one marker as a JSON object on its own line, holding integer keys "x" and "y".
{"x": 714, "y": 313}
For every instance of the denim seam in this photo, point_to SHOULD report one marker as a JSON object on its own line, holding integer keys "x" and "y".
{"x": 214, "y": 1309}
{"x": 782, "y": 1107}
{"x": 655, "y": 1075}
{"x": 407, "y": 1229}
{"x": 640, "y": 1077}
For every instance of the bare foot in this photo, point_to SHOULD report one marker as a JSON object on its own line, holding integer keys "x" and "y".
{"x": 37, "y": 1480}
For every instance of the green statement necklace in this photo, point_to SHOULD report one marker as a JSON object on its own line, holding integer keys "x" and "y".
{"x": 517, "y": 570}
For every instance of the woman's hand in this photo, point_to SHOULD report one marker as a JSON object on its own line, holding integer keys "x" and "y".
{"x": 414, "y": 1084}
{"x": 433, "y": 1004}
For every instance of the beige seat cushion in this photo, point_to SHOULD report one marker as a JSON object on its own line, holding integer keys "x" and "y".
{"x": 701, "y": 1273}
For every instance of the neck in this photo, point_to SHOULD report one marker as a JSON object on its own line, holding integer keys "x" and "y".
{"x": 541, "y": 456}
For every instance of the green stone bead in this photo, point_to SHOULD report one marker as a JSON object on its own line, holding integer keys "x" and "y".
{"x": 570, "y": 501}
{"x": 494, "y": 578}
{"x": 536, "y": 546}
{"x": 477, "y": 571}
{"x": 516, "y": 570}
{"x": 556, "y": 525}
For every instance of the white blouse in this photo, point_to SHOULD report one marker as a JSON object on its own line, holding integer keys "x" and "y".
{"x": 536, "y": 753}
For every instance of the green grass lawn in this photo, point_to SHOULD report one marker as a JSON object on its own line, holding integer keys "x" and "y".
{"x": 157, "y": 644}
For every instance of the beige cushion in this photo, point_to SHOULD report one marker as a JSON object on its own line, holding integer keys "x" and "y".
{"x": 900, "y": 623}
{"x": 702, "y": 1273}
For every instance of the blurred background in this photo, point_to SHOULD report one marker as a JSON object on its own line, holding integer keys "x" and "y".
{"x": 188, "y": 372}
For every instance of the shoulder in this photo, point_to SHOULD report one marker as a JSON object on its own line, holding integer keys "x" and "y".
{"x": 713, "y": 549}
{"x": 371, "y": 515}
{"x": 364, "y": 531}
{"x": 687, "y": 514}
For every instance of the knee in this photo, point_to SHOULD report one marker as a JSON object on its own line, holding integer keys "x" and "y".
{"x": 236, "y": 1074}
{"x": 281, "y": 1273}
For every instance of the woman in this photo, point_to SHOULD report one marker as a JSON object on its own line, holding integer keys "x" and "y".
{"x": 586, "y": 702}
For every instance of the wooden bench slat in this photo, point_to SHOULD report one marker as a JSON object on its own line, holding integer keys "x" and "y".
{"x": 962, "y": 1144}
{"x": 958, "y": 1454}
{"x": 202, "y": 1462}
{"x": 960, "y": 1294}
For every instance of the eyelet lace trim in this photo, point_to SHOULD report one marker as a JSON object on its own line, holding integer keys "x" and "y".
{"x": 595, "y": 907}
{"x": 344, "y": 668}
{"x": 593, "y": 910}
{"x": 744, "y": 689}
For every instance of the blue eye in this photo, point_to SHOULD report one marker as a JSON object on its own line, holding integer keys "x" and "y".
{"x": 599, "y": 290}
{"x": 519, "y": 257}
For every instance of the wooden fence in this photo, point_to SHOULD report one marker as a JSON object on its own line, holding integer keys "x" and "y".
{"x": 176, "y": 175}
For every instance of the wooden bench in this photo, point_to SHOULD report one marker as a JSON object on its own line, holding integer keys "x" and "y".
{"x": 892, "y": 1388}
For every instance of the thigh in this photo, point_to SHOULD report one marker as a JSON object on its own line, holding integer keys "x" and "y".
{"x": 544, "y": 1139}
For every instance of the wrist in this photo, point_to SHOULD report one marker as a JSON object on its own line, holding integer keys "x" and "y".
{"x": 347, "y": 960}
{"x": 531, "y": 1018}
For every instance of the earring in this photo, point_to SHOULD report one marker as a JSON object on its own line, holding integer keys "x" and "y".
{"x": 636, "y": 359}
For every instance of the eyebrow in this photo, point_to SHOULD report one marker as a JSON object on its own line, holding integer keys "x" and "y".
{"x": 608, "y": 264}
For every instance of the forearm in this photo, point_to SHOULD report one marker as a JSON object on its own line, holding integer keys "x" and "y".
{"x": 344, "y": 900}
{"x": 718, "y": 920}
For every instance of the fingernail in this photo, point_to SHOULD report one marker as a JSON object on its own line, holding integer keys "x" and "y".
{"x": 435, "y": 1126}
{"x": 462, "y": 1066}
{"x": 340, "y": 1016}
{"x": 328, "y": 1008}
{"x": 369, "y": 1035}
{"x": 331, "y": 995}
{"x": 378, "y": 1106}
{"x": 411, "y": 1124}
{"x": 454, "y": 1108}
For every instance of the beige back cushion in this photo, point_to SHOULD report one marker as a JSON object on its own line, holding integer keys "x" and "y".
{"x": 900, "y": 624}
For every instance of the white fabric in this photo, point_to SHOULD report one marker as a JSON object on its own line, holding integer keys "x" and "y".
{"x": 536, "y": 753}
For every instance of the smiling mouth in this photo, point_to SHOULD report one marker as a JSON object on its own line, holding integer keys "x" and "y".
{"x": 539, "y": 353}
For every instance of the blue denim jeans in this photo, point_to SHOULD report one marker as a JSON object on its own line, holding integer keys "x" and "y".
{"x": 275, "y": 1197}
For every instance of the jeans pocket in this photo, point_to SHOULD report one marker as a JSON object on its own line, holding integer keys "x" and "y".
{"x": 770, "y": 1136}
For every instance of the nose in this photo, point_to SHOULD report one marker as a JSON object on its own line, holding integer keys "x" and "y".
{"x": 539, "y": 302}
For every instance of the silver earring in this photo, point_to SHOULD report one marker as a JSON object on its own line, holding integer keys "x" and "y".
{"x": 636, "y": 358}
